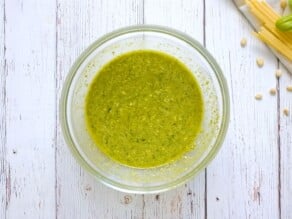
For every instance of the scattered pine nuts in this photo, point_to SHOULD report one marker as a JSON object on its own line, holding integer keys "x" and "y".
{"x": 286, "y": 112}
{"x": 273, "y": 91}
{"x": 278, "y": 73}
{"x": 283, "y": 4}
{"x": 258, "y": 96}
{"x": 243, "y": 42}
{"x": 260, "y": 62}
{"x": 289, "y": 88}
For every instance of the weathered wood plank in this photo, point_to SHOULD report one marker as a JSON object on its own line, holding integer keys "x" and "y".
{"x": 243, "y": 179}
{"x": 3, "y": 173}
{"x": 186, "y": 201}
{"x": 79, "y": 24}
{"x": 285, "y": 146}
{"x": 30, "y": 108}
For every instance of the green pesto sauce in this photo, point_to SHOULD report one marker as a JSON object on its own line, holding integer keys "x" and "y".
{"x": 144, "y": 109}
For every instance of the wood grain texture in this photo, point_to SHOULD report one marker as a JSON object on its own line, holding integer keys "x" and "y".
{"x": 285, "y": 144}
{"x": 30, "y": 107}
{"x": 184, "y": 202}
{"x": 243, "y": 179}
{"x": 79, "y": 23}
{"x": 187, "y": 201}
{"x": 3, "y": 168}
{"x": 250, "y": 178}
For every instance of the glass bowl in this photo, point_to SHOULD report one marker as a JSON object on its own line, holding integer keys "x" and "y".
{"x": 208, "y": 141}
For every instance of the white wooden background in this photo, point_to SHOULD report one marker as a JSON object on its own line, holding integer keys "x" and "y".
{"x": 250, "y": 178}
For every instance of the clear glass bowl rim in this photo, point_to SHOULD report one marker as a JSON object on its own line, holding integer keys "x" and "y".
{"x": 225, "y": 108}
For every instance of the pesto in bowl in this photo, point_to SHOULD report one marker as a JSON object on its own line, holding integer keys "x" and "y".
{"x": 144, "y": 109}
